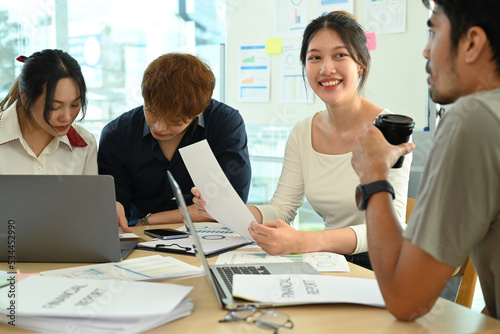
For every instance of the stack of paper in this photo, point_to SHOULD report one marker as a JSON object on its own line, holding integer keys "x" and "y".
{"x": 53, "y": 305}
{"x": 150, "y": 268}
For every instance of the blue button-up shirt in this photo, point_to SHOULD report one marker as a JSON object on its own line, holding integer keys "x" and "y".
{"x": 129, "y": 153}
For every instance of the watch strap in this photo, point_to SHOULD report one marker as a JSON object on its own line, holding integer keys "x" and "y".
{"x": 144, "y": 220}
{"x": 365, "y": 191}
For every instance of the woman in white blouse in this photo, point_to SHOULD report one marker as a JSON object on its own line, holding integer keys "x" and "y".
{"x": 317, "y": 162}
{"x": 37, "y": 133}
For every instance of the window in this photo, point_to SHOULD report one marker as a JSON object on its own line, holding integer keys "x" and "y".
{"x": 113, "y": 41}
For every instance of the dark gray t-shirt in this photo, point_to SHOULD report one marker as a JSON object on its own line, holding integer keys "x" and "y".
{"x": 458, "y": 205}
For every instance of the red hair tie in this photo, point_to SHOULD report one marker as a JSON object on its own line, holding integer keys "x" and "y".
{"x": 21, "y": 59}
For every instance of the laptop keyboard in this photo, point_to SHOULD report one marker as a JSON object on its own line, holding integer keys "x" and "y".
{"x": 126, "y": 247}
{"x": 124, "y": 251}
{"x": 227, "y": 273}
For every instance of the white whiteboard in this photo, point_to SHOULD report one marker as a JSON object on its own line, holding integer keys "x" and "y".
{"x": 397, "y": 78}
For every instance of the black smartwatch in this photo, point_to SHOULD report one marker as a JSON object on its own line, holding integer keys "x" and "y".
{"x": 365, "y": 191}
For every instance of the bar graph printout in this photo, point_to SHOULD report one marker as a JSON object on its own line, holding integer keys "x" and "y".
{"x": 327, "y": 6}
{"x": 294, "y": 88}
{"x": 254, "y": 74}
{"x": 292, "y": 17}
{"x": 321, "y": 261}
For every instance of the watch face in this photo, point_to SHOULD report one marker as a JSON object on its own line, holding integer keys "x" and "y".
{"x": 359, "y": 197}
{"x": 365, "y": 191}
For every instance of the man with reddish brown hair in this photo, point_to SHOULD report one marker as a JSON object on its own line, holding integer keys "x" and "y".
{"x": 138, "y": 147}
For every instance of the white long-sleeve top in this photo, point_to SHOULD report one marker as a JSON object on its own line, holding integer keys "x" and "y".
{"x": 328, "y": 182}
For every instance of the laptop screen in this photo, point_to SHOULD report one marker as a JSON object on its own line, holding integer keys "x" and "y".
{"x": 58, "y": 218}
{"x": 193, "y": 235}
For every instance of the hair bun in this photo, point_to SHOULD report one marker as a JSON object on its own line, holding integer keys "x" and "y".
{"x": 343, "y": 12}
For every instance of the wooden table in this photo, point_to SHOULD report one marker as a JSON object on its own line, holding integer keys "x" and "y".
{"x": 445, "y": 317}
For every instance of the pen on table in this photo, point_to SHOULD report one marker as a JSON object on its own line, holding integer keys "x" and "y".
{"x": 172, "y": 245}
{"x": 185, "y": 197}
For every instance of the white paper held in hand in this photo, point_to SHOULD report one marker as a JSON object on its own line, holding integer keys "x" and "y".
{"x": 223, "y": 203}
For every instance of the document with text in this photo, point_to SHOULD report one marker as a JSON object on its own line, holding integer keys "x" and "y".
{"x": 59, "y": 305}
{"x": 149, "y": 268}
{"x": 215, "y": 238}
{"x": 290, "y": 289}
{"x": 321, "y": 261}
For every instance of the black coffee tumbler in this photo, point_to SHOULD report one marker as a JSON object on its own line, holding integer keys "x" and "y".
{"x": 397, "y": 129}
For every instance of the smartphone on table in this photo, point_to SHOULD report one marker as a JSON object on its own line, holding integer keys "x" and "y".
{"x": 166, "y": 233}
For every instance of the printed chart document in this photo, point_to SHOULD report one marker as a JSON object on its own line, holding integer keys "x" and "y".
{"x": 61, "y": 305}
{"x": 124, "y": 235}
{"x": 290, "y": 289}
{"x": 215, "y": 239}
{"x": 254, "y": 74}
{"x": 223, "y": 202}
{"x": 150, "y": 268}
{"x": 321, "y": 261}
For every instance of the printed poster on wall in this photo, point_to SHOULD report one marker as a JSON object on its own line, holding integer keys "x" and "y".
{"x": 291, "y": 17}
{"x": 327, "y": 6}
{"x": 385, "y": 16}
{"x": 294, "y": 87}
{"x": 255, "y": 74}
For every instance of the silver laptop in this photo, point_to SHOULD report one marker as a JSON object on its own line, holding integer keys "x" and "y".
{"x": 220, "y": 276}
{"x": 54, "y": 218}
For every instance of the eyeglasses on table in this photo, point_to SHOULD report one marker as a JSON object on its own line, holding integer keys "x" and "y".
{"x": 270, "y": 319}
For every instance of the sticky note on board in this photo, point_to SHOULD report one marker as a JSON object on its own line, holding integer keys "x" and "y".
{"x": 371, "y": 41}
{"x": 274, "y": 46}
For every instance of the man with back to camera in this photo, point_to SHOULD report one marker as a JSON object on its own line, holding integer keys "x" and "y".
{"x": 138, "y": 147}
{"x": 457, "y": 213}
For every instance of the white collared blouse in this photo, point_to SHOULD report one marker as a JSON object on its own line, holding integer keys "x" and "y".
{"x": 72, "y": 154}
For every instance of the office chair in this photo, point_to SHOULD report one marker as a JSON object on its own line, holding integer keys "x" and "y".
{"x": 467, "y": 287}
{"x": 410, "y": 205}
{"x": 465, "y": 293}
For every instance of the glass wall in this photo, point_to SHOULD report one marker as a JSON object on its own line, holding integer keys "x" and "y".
{"x": 114, "y": 41}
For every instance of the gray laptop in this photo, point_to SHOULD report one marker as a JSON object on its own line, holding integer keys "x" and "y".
{"x": 54, "y": 218}
{"x": 220, "y": 276}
